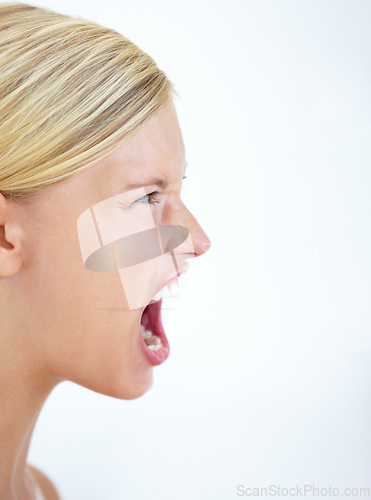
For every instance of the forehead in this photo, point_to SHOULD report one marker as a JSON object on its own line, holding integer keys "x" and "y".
{"x": 156, "y": 150}
{"x": 158, "y": 143}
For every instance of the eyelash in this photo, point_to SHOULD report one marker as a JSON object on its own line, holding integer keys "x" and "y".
{"x": 150, "y": 195}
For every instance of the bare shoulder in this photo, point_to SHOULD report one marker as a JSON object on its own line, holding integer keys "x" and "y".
{"x": 47, "y": 487}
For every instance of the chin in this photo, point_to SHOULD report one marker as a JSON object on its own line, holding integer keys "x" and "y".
{"x": 124, "y": 389}
{"x": 133, "y": 391}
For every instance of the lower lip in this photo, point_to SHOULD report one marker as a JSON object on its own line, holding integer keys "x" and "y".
{"x": 159, "y": 356}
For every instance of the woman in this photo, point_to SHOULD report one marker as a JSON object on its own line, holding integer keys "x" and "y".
{"x": 92, "y": 161}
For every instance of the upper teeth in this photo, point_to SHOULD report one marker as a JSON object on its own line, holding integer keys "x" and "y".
{"x": 169, "y": 290}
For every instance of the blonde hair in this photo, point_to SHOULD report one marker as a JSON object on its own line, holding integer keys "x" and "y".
{"x": 70, "y": 92}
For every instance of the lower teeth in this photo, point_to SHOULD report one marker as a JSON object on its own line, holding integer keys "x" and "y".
{"x": 152, "y": 341}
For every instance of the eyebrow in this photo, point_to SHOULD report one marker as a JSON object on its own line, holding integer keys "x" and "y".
{"x": 156, "y": 181}
{"x": 161, "y": 183}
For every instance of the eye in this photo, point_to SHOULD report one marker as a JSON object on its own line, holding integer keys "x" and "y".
{"x": 148, "y": 198}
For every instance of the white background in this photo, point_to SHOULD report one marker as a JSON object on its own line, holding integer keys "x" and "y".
{"x": 269, "y": 377}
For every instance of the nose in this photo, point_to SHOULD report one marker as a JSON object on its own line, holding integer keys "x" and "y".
{"x": 200, "y": 241}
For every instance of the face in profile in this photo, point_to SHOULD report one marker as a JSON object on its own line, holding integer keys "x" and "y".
{"x": 105, "y": 244}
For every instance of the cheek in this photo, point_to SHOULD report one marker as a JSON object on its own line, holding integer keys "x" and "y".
{"x": 75, "y": 323}
{"x": 78, "y": 310}
{"x": 93, "y": 339}
{"x": 94, "y": 304}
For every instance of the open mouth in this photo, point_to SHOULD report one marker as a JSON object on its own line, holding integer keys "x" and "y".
{"x": 153, "y": 338}
{"x": 151, "y": 326}
{"x": 154, "y": 342}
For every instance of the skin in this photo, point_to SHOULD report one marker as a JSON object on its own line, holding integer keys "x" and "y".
{"x": 60, "y": 321}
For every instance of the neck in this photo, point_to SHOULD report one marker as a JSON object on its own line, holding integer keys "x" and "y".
{"x": 22, "y": 395}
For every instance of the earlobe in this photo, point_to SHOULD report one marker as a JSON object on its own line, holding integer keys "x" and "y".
{"x": 10, "y": 247}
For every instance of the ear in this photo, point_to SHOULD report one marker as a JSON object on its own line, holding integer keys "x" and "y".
{"x": 10, "y": 240}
